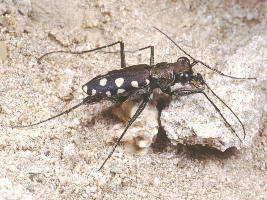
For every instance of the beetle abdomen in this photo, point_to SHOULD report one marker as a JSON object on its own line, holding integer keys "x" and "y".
{"x": 119, "y": 81}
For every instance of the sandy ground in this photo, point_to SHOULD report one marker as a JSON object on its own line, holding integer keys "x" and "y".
{"x": 59, "y": 159}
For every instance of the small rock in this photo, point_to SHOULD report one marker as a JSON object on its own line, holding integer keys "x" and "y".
{"x": 30, "y": 188}
{"x": 3, "y": 52}
{"x": 6, "y": 183}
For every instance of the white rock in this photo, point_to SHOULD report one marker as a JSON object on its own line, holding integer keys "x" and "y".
{"x": 143, "y": 131}
{"x": 6, "y": 183}
{"x": 193, "y": 120}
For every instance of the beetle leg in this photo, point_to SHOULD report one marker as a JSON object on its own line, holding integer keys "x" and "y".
{"x": 87, "y": 100}
{"x": 151, "y": 54}
{"x": 91, "y": 50}
{"x": 186, "y": 92}
{"x": 137, "y": 113}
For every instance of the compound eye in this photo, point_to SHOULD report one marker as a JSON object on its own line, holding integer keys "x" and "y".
{"x": 184, "y": 77}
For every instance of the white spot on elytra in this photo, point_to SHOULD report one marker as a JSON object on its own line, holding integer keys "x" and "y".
{"x": 120, "y": 91}
{"x": 135, "y": 84}
{"x": 119, "y": 81}
{"x": 93, "y": 92}
{"x": 147, "y": 81}
{"x": 108, "y": 93}
{"x": 103, "y": 82}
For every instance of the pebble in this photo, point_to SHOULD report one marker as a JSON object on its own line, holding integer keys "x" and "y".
{"x": 6, "y": 183}
{"x": 3, "y": 52}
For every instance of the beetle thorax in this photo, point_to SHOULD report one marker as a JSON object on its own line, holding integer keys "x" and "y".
{"x": 163, "y": 71}
{"x": 162, "y": 75}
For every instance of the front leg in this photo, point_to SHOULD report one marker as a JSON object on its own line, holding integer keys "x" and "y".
{"x": 185, "y": 92}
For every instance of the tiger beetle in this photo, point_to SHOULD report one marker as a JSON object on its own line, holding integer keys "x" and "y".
{"x": 140, "y": 81}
